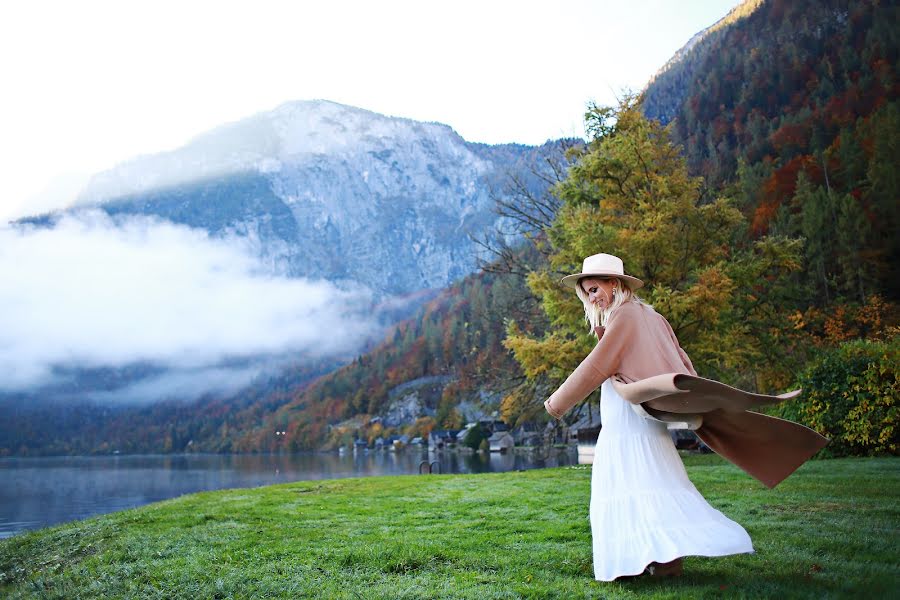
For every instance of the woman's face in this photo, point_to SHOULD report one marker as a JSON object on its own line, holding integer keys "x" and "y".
{"x": 599, "y": 291}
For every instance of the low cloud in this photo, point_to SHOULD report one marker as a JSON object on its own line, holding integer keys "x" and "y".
{"x": 181, "y": 383}
{"x": 93, "y": 292}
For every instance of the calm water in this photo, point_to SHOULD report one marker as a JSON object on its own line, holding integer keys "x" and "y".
{"x": 37, "y": 492}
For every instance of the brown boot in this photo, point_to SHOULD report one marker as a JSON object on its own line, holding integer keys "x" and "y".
{"x": 673, "y": 568}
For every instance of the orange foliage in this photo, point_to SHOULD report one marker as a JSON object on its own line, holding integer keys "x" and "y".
{"x": 762, "y": 216}
{"x": 876, "y": 320}
{"x": 789, "y": 134}
{"x": 721, "y": 127}
{"x": 782, "y": 184}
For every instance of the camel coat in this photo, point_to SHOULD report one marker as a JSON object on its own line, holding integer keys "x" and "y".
{"x": 651, "y": 371}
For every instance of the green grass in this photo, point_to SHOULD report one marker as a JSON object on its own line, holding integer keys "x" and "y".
{"x": 830, "y": 530}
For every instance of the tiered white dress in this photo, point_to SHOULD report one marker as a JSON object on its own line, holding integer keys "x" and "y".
{"x": 643, "y": 506}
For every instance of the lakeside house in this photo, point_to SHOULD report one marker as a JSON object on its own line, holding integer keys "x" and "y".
{"x": 528, "y": 434}
{"x": 398, "y": 442}
{"x": 394, "y": 442}
{"x": 501, "y": 441}
{"x": 443, "y": 438}
{"x": 500, "y": 438}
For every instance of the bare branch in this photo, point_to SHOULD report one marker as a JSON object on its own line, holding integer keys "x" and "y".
{"x": 527, "y": 206}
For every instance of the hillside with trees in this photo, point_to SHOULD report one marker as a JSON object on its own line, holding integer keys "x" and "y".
{"x": 207, "y": 424}
{"x": 456, "y": 340}
{"x": 793, "y": 109}
{"x": 763, "y": 215}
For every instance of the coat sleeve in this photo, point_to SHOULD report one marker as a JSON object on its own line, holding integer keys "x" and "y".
{"x": 597, "y": 367}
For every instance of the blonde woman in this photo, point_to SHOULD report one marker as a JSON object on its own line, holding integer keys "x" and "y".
{"x": 645, "y": 513}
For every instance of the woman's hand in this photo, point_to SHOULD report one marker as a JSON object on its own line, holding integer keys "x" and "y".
{"x": 553, "y": 413}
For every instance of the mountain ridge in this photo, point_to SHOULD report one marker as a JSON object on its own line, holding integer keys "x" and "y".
{"x": 352, "y": 191}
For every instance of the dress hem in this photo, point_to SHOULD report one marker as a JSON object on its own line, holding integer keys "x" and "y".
{"x": 671, "y": 558}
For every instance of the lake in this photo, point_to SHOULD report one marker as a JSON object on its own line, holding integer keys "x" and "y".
{"x": 38, "y": 492}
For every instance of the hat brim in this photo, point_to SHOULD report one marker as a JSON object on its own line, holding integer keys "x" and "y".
{"x": 572, "y": 280}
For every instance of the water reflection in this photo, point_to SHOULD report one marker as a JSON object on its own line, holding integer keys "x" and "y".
{"x": 37, "y": 492}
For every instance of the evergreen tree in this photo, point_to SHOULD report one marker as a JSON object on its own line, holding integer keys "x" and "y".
{"x": 817, "y": 223}
{"x": 853, "y": 231}
{"x": 883, "y": 175}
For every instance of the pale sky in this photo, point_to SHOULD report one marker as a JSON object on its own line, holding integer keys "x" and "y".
{"x": 90, "y": 83}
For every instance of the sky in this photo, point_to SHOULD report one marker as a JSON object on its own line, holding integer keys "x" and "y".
{"x": 89, "y": 84}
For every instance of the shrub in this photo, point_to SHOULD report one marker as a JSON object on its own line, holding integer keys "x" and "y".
{"x": 475, "y": 436}
{"x": 850, "y": 395}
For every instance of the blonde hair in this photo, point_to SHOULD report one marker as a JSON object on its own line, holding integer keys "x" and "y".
{"x": 593, "y": 314}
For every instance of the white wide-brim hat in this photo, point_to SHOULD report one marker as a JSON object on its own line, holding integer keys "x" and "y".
{"x": 602, "y": 265}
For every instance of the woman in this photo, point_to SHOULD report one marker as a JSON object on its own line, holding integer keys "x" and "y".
{"x": 645, "y": 513}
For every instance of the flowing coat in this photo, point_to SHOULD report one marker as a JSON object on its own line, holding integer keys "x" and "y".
{"x": 650, "y": 370}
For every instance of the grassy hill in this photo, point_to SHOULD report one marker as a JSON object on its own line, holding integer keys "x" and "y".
{"x": 830, "y": 530}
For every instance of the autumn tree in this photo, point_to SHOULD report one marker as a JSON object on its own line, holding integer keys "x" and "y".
{"x": 629, "y": 193}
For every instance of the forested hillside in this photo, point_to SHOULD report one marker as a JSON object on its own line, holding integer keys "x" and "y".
{"x": 205, "y": 425}
{"x": 792, "y": 108}
{"x": 456, "y": 341}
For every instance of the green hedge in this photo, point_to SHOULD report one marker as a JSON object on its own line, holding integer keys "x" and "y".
{"x": 850, "y": 394}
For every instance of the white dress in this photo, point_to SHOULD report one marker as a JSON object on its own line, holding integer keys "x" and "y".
{"x": 643, "y": 506}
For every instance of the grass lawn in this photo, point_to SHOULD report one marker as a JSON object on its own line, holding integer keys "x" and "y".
{"x": 830, "y": 530}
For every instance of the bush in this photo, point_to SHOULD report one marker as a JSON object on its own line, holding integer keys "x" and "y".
{"x": 850, "y": 395}
{"x": 475, "y": 436}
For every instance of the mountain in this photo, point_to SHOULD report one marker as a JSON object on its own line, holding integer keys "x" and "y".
{"x": 749, "y": 100}
{"x": 328, "y": 191}
{"x": 319, "y": 190}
